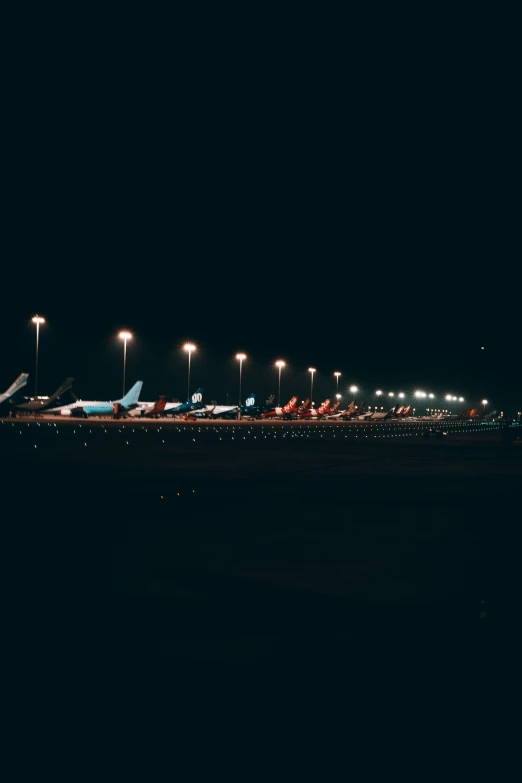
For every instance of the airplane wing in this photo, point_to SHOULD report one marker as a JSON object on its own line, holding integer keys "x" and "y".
{"x": 15, "y": 386}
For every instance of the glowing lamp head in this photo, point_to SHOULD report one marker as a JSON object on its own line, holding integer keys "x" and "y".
{"x": 37, "y": 319}
{"x": 390, "y": 394}
{"x": 240, "y": 356}
{"x": 189, "y": 347}
{"x": 401, "y": 395}
{"x": 280, "y": 363}
{"x": 461, "y": 399}
{"x": 354, "y": 389}
{"x": 338, "y": 396}
{"x": 484, "y": 402}
{"x": 448, "y": 396}
{"x": 454, "y": 398}
{"x": 125, "y": 335}
{"x": 431, "y": 396}
{"x": 311, "y": 369}
{"x": 378, "y": 392}
{"x": 337, "y": 374}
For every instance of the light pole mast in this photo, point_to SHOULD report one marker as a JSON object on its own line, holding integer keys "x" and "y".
{"x": 311, "y": 370}
{"x": 189, "y": 347}
{"x": 279, "y": 364}
{"x": 240, "y": 357}
{"x": 37, "y": 319}
{"x": 124, "y": 336}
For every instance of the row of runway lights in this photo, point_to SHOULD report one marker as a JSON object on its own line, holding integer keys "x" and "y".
{"x": 456, "y": 427}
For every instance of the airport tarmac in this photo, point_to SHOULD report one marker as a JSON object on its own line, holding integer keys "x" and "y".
{"x": 254, "y": 541}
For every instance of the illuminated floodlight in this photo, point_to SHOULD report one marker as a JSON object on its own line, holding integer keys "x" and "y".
{"x": 448, "y": 397}
{"x": 431, "y": 396}
{"x": 125, "y": 335}
{"x": 401, "y": 395}
{"x": 312, "y": 370}
{"x": 280, "y": 363}
{"x": 354, "y": 389}
{"x": 240, "y": 356}
{"x": 189, "y": 347}
{"x": 461, "y": 399}
{"x": 37, "y": 319}
{"x": 338, "y": 396}
{"x": 484, "y": 402}
{"x": 454, "y": 398}
{"x": 390, "y": 394}
{"x": 378, "y": 392}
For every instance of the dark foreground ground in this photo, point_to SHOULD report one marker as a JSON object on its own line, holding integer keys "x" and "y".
{"x": 311, "y": 549}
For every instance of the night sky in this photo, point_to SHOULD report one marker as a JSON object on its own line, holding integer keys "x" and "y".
{"x": 320, "y": 205}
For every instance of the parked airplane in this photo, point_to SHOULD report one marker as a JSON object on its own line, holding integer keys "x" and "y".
{"x": 44, "y": 403}
{"x": 14, "y": 387}
{"x": 151, "y": 410}
{"x": 334, "y": 409}
{"x": 286, "y": 412}
{"x": 84, "y": 408}
{"x": 178, "y": 409}
{"x": 249, "y": 408}
{"x": 316, "y": 413}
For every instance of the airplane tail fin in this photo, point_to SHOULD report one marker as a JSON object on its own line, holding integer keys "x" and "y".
{"x": 132, "y": 396}
{"x": 335, "y": 407}
{"x": 290, "y": 405}
{"x": 197, "y": 396}
{"x": 66, "y": 385}
{"x": 324, "y": 407}
{"x": 250, "y": 400}
{"x": 304, "y": 406}
{"x": 16, "y": 386}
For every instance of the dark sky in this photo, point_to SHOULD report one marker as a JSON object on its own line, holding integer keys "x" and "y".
{"x": 349, "y": 203}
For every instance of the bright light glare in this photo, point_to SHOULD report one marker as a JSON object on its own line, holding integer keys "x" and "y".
{"x": 461, "y": 399}
{"x": 280, "y": 363}
{"x": 311, "y": 369}
{"x": 484, "y": 402}
{"x": 453, "y": 398}
{"x": 125, "y": 335}
{"x": 189, "y": 347}
{"x": 354, "y": 389}
{"x": 37, "y": 319}
{"x": 378, "y": 392}
{"x": 337, "y": 374}
{"x": 390, "y": 394}
{"x": 338, "y": 396}
{"x": 401, "y": 394}
{"x": 431, "y": 396}
{"x": 240, "y": 356}
{"x": 448, "y": 397}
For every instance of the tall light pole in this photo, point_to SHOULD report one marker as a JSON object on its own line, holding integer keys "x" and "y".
{"x": 484, "y": 403}
{"x": 279, "y": 364}
{"x": 37, "y": 319}
{"x": 240, "y": 357}
{"x": 311, "y": 370}
{"x": 189, "y": 347}
{"x": 124, "y": 336}
{"x": 354, "y": 391}
{"x": 337, "y": 374}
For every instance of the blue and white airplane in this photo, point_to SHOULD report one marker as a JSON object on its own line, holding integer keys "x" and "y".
{"x": 180, "y": 408}
{"x": 14, "y": 387}
{"x": 85, "y": 408}
{"x": 228, "y": 411}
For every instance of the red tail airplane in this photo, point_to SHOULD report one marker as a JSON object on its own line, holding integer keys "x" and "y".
{"x": 285, "y": 412}
{"x": 312, "y": 413}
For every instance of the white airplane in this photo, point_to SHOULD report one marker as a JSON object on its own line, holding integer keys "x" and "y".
{"x": 95, "y": 408}
{"x": 14, "y": 387}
